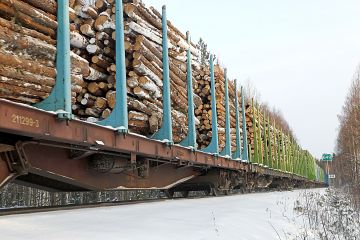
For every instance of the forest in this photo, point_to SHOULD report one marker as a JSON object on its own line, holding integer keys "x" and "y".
{"x": 346, "y": 162}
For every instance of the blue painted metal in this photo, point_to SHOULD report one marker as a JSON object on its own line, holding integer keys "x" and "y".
{"x": 165, "y": 132}
{"x": 227, "y": 149}
{"x": 237, "y": 153}
{"x": 270, "y": 146}
{"x": 190, "y": 140}
{"x": 214, "y": 143}
{"x": 256, "y": 153}
{"x": 260, "y": 138}
{"x": 245, "y": 153}
{"x": 119, "y": 117}
{"x": 266, "y": 152}
{"x": 59, "y": 100}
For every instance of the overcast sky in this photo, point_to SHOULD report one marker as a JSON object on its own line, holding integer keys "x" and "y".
{"x": 300, "y": 54}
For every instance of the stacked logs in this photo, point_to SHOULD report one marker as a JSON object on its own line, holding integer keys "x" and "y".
{"x": 256, "y": 122}
{"x": 144, "y": 31}
{"x": 253, "y": 124}
{"x": 28, "y": 70}
{"x": 143, "y": 39}
{"x": 28, "y": 50}
{"x": 220, "y": 107}
{"x": 204, "y": 113}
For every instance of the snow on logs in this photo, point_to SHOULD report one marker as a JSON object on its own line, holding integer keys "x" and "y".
{"x": 27, "y": 69}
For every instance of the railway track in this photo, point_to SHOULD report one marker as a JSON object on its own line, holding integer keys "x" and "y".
{"x": 29, "y": 210}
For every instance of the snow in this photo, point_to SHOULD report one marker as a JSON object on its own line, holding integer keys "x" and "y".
{"x": 249, "y": 216}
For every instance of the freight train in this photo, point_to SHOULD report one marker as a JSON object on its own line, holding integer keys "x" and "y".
{"x": 46, "y": 145}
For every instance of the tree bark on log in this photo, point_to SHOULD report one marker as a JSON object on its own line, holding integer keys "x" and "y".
{"x": 46, "y": 5}
{"x": 29, "y": 32}
{"x": 26, "y": 20}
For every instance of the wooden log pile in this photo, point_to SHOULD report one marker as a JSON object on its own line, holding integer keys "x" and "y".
{"x": 143, "y": 29}
{"x": 204, "y": 113}
{"x": 28, "y": 73}
{"x": 256, "y": 122}
{"x": 252, "y": 124}
{"x": 28, "y": 50}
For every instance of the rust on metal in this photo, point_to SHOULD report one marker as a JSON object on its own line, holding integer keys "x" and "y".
{"x": 6, "y": 148}
{"x": 63, "y": 169}
{"x": 63, "y": 155}
{"x": 5, "y": 173}
{"x": 87, "y": 134}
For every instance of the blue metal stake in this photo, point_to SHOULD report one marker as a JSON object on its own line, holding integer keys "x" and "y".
{"x": 237, "y": 153}
{"x": 214, "y": 143}
{"x": 227, "y": 149}
{"x": 190, "y": 140}
{"x": 165, "y": 132}
{"x": 245, "y": 153}
{"x": 60, "y": 98}
{"x": 119, "y": 116}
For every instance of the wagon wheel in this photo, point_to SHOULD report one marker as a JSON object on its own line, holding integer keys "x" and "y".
{"x": 184, "y": 194}
{"x": 169, "y": 193}
{"x": 215, "y": 191}
{"x": 208, "y": 191}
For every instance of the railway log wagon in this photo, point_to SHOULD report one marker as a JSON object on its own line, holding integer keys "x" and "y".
{"x": 109, "y": 94}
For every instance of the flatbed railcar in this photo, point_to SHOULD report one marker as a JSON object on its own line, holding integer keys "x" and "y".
{"x": 38, "y": 149}
{"x": 44, "y": 146}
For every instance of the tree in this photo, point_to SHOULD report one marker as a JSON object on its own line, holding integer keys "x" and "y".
{"x": 346, "y": 164}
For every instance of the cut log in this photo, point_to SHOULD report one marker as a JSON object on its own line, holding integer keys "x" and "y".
{"x": 26, "y": 20}
{"x": 21, "y": 74}
{"x": 39, "y": 16}
{"x": 29, "y": 32}
{"x": 46, "y": 5}
{"x": 14, "y": 61}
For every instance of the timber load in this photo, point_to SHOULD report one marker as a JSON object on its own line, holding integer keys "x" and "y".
{"x": 27, "y": 70}
{"x": 122, "y": 64}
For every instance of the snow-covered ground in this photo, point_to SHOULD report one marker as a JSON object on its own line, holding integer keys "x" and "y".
{"x": 251, "y": 216}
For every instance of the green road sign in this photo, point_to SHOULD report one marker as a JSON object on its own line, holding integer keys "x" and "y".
{"x": 327, "y": 157}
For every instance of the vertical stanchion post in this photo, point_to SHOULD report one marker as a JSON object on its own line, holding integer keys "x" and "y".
{"x": 260, "y": 146}
{"x": 214, "y": 143}
{"x": 165, "y": 132}
{"x": 301, "y": 163}
{"x": 286, "y": 153}
{"x": 119, "y": 116}
{"x": 190, "y": 140}
{"x": 266, "y": 163}
{"x": 292, "y": 158}
{"x": 288, "y": 150}
{"x": 245, "y": 153}
{"x": 237, "y": 153}
{"x": 250, "y": 157}
{"x": 296, "y": 159}
{"x": 227, "y": 149}
{"x": 296, "y": 170}
{"x": 276, "y": 147}
{"x": 279, "y": 149}
{"x": 271, "y": 164}
{"x": 283, "y": 160}
{"x": 59, "y": 100}
{"x": 289, "y": 154}
{"x": 255, "y": 158}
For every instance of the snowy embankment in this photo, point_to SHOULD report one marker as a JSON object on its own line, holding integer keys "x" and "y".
{"x": 250, "y": 216}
